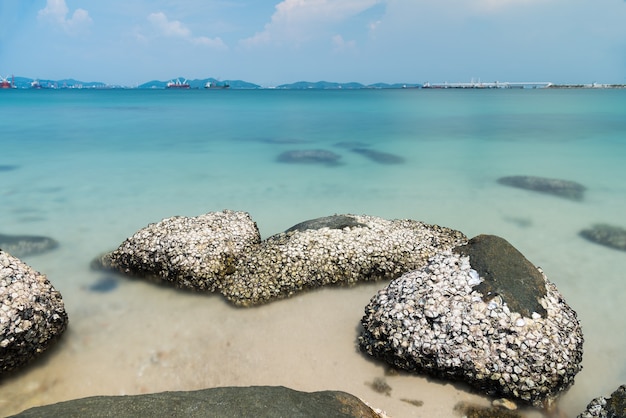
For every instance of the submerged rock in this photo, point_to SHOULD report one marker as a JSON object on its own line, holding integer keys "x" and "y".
{"x": 316, "y": 156}
{"x": 610, "y": 236}
{"x": 235, "y": 402}
{"x": 612, "y": 407}
{"x": 349, "y": 249}
{"x": 434, "y": 320}
{"x": 190, "y": 252}
{"x": 32, "y": 313}
{"x": 378, "y": 156}
{"x": 562, "y": 188}
{"x": 26, "y": 245}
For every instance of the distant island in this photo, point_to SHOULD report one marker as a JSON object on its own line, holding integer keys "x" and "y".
{"x": 29, "y": 83}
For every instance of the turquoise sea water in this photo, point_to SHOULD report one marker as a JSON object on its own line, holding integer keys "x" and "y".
{"x": 90, "y": 167}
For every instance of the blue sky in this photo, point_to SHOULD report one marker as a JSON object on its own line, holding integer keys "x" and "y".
{"x": 269, "y": 42}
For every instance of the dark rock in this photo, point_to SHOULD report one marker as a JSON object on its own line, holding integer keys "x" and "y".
{"x": 317, "y": 156}
{"x": 26, "y": 245}
{"x": 353, "y": 249}
{"x": 104, "y": 285}
{"x": 189, "y": 252}
{"x": 475, "y": 411}
{"x": 613, "y": 407}
{"x": 331, "y": 222}
{"x": 6, "y": 167}
{"x": 505, "y": 272}
{"x": 235, "y": 402}
{"x": 378, "y": 156}
{"x": 434, "y": 320}
{"x": 610, "y": 236}
{"x": 562, "y": 188}
{"x": 32, "y": 313}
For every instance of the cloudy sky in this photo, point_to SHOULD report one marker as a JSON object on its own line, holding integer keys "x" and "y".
{"x": 270, "y": 42}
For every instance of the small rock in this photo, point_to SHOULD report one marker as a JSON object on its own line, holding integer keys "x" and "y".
{"x": 316, "y": 156}
{"x": 562, "y": 188}
{"x": 603, "y": 234}
{"x": 612, "y": 407}
{"x": 26, "y": 245}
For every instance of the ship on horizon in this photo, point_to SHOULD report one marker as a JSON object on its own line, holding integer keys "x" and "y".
{"x": 177, "y": 84}
{"x": 6, "y": 84}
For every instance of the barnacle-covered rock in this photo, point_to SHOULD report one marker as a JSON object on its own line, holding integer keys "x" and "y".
{"x": 190, "y": 252}
{"x": 557, "y": 187}
{"x": 339, "y": 249}
{"x": 32, "y": 313}
{"x": 458, "y": 318}
{"x": 612, "y": 407}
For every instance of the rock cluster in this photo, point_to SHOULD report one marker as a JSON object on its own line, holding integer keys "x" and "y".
{"x": 557, "y": 187}
{"x": 191, "y": 252}
{"x": 222, "y": 251}
{"x": 235, "y": 402}
{"x": 32, "y": 313}
{"x": 435, "y": 320}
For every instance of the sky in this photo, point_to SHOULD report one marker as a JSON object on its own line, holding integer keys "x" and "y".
{"x": 271, "y": 42}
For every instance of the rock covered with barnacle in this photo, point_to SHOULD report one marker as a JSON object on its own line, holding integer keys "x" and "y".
{"x": 339, "y": 249}
{"x": 32, "y": 313}
{"x": 190, "y": 252}
{"x": 611, "y": 407}
{"x": 435, "y": 320}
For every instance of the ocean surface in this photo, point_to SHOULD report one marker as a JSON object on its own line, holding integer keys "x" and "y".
{"x": 88, "y": 168}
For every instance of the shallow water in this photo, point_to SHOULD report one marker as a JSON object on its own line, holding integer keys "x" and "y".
{"x": 89, "y": 168}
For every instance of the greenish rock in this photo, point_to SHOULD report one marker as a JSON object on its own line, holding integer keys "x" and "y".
{"x": 476, "y": 411}
{"x": 556, "y": 187}
{"x": 331, "y": 222}
{"x": 26, "y": 245}
{"x": 235, "y": 402}
{"x": 612, "y": 407}
{"x": 607, "y": 235}
{"x": 507, "y": 273}
{"x": 379, "y": 156}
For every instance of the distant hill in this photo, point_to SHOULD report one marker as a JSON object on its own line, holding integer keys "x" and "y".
{"x": 25, "y": 83}
{"x": 198, "y": 84}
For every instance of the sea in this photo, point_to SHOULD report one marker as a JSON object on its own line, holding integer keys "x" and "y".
{"x": 88, "y": 168}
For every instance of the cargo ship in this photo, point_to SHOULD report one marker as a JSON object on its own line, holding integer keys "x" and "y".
{"x": 6, "y": 84}
{"x": 210, "y": 85}
{"x": 177, "y": 84}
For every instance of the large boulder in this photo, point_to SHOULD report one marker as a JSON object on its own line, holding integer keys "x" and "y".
{"x": 483, "y": 314}
{"x": 235, "y": 402}
{"x": 32, "y": 313}
{"x": 339, "y": 249}
{"x": 190, "y": 252}
{"x": 557, "y": 187}
{"x": 612, "y": 407}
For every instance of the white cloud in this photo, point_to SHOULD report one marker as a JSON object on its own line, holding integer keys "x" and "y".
{"x": 57, "y": 11}
{"x": 176, "y": 29}
{"x": 296, "y": 21}
{"x": 341, "y": 45}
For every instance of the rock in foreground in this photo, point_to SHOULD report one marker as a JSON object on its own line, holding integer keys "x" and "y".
{"x": 190, "y": 252}
{"x": 435, "y": 320}
{"x": 235, "y": 402}
{"x": 335, "y": 250}
{"x": 32, "y": 313}
{"x": 562, "y": 188}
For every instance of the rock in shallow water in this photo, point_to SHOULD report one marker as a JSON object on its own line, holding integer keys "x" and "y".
{"x": 607, "y": 235}
{"x": 190, "y": 252}
{"x": 433, "y": 320}
{"x": 235, "y": 402}
{"x": 26, "y": 245}
{"x": 351, "y": 249}
{"x": 32, "y": 313}
{"x": 562, "y": 188}
{"x": 314, "y": 156}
